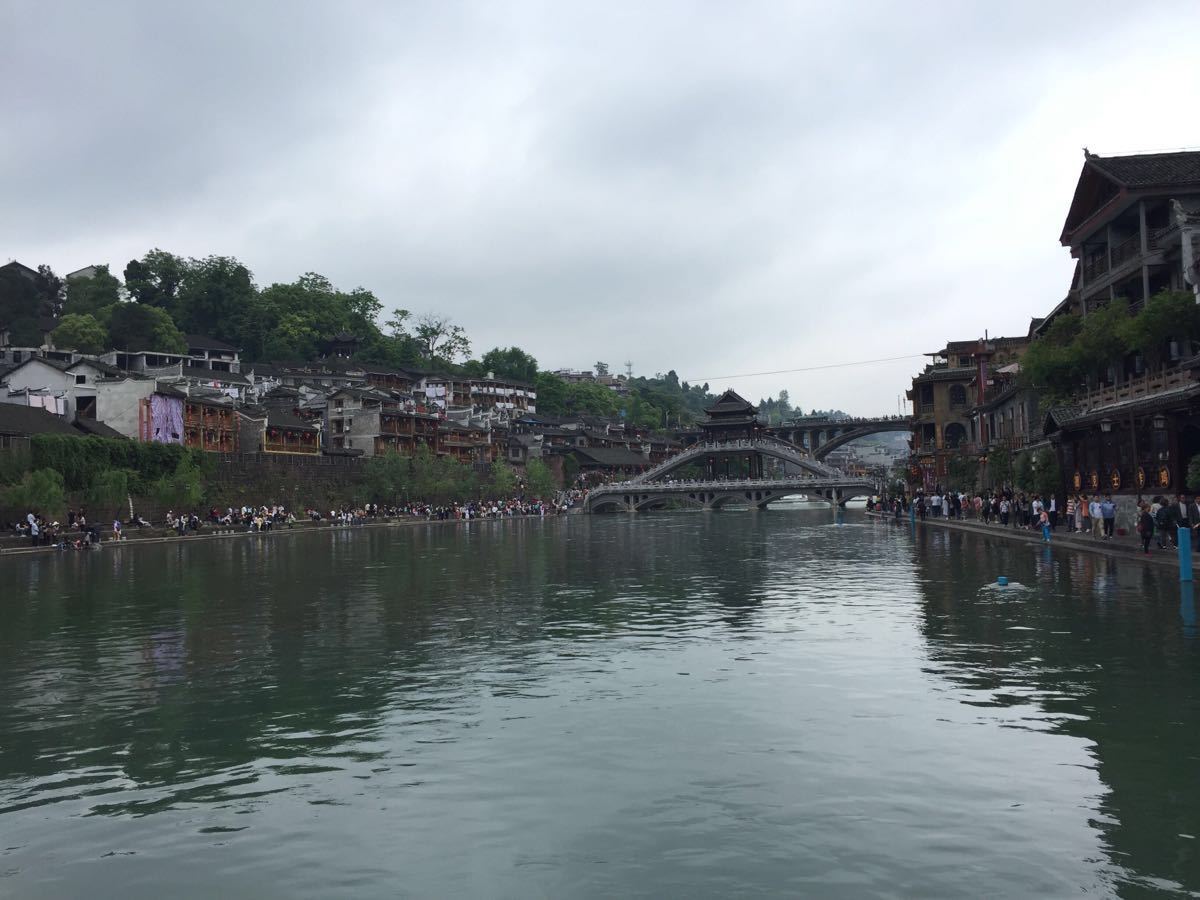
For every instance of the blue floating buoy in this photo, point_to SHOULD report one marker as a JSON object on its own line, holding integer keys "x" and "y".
{"x": 1002, "y": 581}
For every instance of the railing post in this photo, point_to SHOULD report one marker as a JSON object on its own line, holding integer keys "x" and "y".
{"x": 1183, "y": 537}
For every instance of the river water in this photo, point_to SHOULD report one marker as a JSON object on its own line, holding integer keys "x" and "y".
{"x": 785, "y": 703}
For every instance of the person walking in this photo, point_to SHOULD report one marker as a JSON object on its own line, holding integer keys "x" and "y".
{"x": 1145, "y": 526}
{"x": 1044, "y": 521}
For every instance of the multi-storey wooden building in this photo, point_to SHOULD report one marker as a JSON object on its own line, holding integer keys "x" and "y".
{"x": 944, "y": 397}
{"x": 1134, "y": 228}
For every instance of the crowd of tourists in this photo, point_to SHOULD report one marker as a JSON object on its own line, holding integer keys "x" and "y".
{"x": 1158, "y": 519}
{"x": 79, "y": 533}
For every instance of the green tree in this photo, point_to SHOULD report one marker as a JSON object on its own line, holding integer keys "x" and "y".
{"x": 1047, "y": 476}
{"x": 1051, "y": 363}
{"x": 508, "y": 362}
{"x": 1000, "y": 467}
{"x": 110, "y": 489}
{"x": 132, "y": 326}
{"x": 1101, "y": 339}
{"x": 290, "y": 321}
{"x": 442, "y": 341}
{"x": 1167, "y": 316}
{"x": 41, "y": 491}
{"x": 388, "y": 477}
{"x": 504, "y": 481}
{"x": 183, "y": 488}
{"x": 88, "y": 295}
{"x": 1193, "y": 473}
{"x": 213, "y": 295}
{"x": 81, "y": 333}
{"x": 155, "y": 279}
{"x": 962, "y": 473}
{"x": 20, "y": 307}
{"x": 539, "y": 480}
{"x": 1023, "y": 472}
{"x": 51, "y": 291}
{"x": 551, "y": 394}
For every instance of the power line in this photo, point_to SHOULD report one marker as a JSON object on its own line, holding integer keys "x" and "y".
{"x": 863, "y": 362}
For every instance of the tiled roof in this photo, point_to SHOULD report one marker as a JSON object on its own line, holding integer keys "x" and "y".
{"x": 1151, "y": 169}
{"x": 282, "y": 419}
{"x": 99, "y": 429}
{"x": 203, "y": 374}
{"x": 203, "y": 342}
{"x": 611, "y": 457}
{"x": 731, "y": 401}
{"x": 27, "y": 420}
{"x": 102, "y": 367}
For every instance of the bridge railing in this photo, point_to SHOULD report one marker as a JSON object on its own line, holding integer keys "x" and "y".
{"x": 791, "y": 451}
{"x": 627, "y": 487}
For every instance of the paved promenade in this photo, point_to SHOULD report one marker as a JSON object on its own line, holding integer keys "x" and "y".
{"x": 1119, "y": 547}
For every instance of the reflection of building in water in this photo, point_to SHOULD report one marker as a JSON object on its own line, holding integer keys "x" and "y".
{"x": 1099, "y": 650}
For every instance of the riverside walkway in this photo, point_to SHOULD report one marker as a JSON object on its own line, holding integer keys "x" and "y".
{"x": 1118, "y": 548}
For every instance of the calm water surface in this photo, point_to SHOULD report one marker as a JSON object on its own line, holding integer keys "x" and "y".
{"x": 731, "y": 704}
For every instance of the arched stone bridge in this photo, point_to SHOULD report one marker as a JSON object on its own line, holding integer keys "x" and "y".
{"x": 766, "y": 446}
{"x": 821, "y": 435}
{"x": 631, "y": 496}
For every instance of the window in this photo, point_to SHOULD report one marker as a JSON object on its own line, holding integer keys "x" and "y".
{"x": 958, "y": 395}
{"x": 926, "y": 396}
{"x": 955, "y": 434}
{"x": 81, "y": 379}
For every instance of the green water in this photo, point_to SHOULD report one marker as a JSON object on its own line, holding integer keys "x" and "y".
{"x": 704, "y": 705}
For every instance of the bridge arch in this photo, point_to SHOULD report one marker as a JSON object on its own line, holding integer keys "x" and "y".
{"x": 659, "y": 501}
{"x": 856, "y": 431}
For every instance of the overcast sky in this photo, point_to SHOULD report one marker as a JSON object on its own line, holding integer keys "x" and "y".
{"x": 717, "y": 188}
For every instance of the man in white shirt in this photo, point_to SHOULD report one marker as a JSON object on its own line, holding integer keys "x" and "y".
{"x": 1097, "y": 518}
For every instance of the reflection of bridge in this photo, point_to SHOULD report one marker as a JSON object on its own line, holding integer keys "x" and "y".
{"x": 649, "y": 491}
{"x": 821, "y": 435}
{"x": 630, "y": 496}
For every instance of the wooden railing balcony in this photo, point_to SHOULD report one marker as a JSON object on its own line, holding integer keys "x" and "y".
{"x": 1146, "y": 385}
{"x": 1094, "y": 269}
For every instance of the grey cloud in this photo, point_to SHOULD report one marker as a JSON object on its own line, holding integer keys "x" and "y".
{"x": 711, "y": 188}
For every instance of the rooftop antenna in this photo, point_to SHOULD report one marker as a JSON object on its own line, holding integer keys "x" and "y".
{"x": 628, "y": 368}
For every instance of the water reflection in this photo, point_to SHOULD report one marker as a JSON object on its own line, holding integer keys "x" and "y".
{"x": 771, "y": 702}
{"x": 1100, "y": 652}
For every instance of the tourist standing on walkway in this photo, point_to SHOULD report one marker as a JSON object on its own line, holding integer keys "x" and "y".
{"x": 1097, "y": 518}
{"x": 1179, "y": 517}
{"x": 1145, "y": 526}
{"x": 1044, "y": 521}
{"x": 1005, "y": 507}
{"x": 1035, "y": 510}
{"x": 1108, "y": 510}
{"x": 1052, "y": 509}
{"x": 1080, "y": 512}
{"x": 1161, "y": 516}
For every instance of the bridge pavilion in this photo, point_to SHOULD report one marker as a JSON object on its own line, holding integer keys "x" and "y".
{"x": 732, "y": 418}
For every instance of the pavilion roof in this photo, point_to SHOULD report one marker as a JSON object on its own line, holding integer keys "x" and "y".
{"x": 731, "y": 402}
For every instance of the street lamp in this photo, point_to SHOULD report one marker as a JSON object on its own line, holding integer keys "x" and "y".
{"x": 1160, "y": 422}
{"x": 1106, "y": 425}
